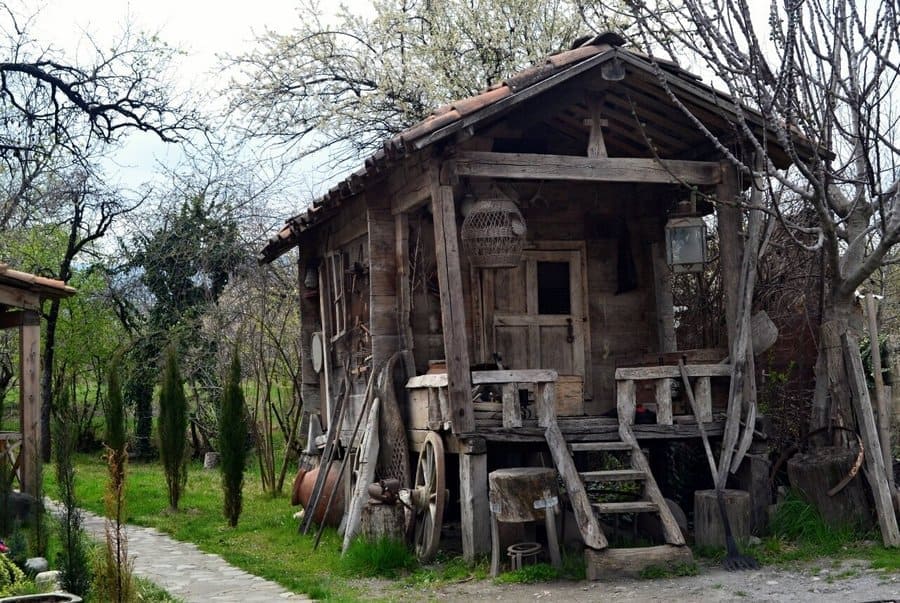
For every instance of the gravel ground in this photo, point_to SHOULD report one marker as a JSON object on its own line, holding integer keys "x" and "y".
{"x": 845, "y": 581}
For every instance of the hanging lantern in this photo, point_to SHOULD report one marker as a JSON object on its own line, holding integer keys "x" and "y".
{"x": 686, "y": 238}
{"x": 493, "y": 233}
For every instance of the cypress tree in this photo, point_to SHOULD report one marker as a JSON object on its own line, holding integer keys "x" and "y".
{"x": 172, "y": 428}
{"x": 114, "y": 579}
{"x": 233, "y": 442}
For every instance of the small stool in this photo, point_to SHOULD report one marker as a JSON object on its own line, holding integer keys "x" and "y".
{"x": 519, "y": 495}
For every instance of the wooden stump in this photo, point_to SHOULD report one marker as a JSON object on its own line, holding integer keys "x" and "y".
{"x": 813, "y": 474}
{"x": 210, "y": 460}
{"x": 382, "y": 521}
{"x": 708, "y": 528}
{"x": 523, "y": 494}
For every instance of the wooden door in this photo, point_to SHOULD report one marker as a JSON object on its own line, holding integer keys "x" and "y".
{"x": 535, "y": 315}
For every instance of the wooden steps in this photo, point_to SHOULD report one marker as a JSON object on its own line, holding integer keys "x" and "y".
{"x": 635, "y": 506}
{"x": 615, "y": 563}
{"x": 614, "y": 475}
{"x": 600, "y": 447}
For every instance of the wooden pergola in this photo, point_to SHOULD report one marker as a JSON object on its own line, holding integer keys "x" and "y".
{"x": 20, "y": 305}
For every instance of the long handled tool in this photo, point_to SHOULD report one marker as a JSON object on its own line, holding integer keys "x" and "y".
{"x": 734, "y": 560}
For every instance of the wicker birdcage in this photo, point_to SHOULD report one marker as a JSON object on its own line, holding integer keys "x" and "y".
{"x": 493, "y": 234}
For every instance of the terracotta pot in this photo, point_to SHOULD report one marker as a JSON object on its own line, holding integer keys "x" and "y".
{"x": 302, "y": 492}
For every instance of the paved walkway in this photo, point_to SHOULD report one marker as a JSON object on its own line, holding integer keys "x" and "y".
{"x": 187, "y": 572}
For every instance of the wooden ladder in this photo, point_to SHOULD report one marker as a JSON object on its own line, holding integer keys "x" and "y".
{"x": 584, "y": 510}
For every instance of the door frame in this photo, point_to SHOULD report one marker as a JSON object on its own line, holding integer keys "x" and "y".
{"x": 483, "y": 304}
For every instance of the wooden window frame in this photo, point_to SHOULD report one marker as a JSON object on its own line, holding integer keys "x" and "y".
{"x": 336, "y": 266}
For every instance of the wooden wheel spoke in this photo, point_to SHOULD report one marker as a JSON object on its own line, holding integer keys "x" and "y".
{"x": 430, "y": 480}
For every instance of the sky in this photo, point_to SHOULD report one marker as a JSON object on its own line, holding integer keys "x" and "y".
{"x": 202, "y": 29}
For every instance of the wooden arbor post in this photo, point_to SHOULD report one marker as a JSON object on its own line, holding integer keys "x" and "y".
{"x": 474, "y": 510}
{"x": 28, "y": 321}
{"x": 30, "y": 400}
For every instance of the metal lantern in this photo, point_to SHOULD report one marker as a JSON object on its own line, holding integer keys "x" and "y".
{"x": 686, "y": 243}
{"x": 493, "y": 234}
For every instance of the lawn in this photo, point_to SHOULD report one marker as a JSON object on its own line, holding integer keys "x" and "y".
{"x": 265, "y": 541}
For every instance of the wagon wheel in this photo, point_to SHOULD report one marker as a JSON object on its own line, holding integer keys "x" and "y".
{"x": 428, "y": 497}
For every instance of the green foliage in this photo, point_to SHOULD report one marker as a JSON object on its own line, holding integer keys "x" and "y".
{"x": 172, "y": 428}
{"x": 447, "y": 571}
{"x": 539, "y": 572}
{"x": 233, "y": 442}
{"x": 11, "y": 577}
{"x": 798, "y": 532}
{"x": 114, "y": 409}
{"x": 72, "y": 559}
{"x": 384, "y": 558}
{"x": 674, "y": 570}
{"x": 114, "y": 580}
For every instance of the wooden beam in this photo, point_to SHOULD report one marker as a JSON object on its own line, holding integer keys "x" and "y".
{"x": 9, "y": 320}
{"x": 453, "y": 312}
{"x": 585, "y": 169}
{"x": 30, "y": 405}
{"x": 475, "y": 514}
{"x": 383, "y": 305}
{"x": 19, "y": 298}
{"x": 728, "y": 214}
{"x": 672, "y": 372}
{"x": 876, "y": 470}
{"x": 596, "y": 144}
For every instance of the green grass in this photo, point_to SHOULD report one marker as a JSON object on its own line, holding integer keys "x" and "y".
{"x": 447, "y": 570}
{"x": 265, "y": 541}
{"x": 383, "y": 558}
{"x": 539, "y": 572}
{"x": 676, "y": 570}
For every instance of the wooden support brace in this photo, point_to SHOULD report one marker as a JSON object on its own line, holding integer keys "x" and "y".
{"x": 625, "y": 401}
{"x": 512, "y": 410}
{"x": 664, "y": 401}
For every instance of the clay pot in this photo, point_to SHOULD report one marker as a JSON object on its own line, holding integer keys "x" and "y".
{"x": 302, "y": 492}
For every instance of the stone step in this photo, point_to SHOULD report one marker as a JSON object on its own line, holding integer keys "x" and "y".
{"x": 615, "y": 475}
{"x": 637, "y": 506}
{"x": 599, "y": 446}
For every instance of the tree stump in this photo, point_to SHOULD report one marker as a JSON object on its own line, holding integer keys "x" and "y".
{"x": 382, "y": 521}
{"x": 708, "y": 528}
{"x": 210, "y": 460}
{"x": 522, "y": 494}
{"x": 814, "y": 473}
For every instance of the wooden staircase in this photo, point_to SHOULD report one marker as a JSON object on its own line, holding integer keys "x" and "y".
{"x": 603, "y": 561}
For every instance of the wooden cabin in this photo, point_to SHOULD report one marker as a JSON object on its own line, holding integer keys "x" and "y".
{"x": 585, "y": 159}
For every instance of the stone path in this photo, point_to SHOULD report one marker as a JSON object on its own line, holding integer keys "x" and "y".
{"x": 187, "y": 572}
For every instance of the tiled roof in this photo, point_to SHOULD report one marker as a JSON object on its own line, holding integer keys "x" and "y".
{"x": 411, "y": 139}
{"x": 451, "y": 118}
{"x": 45, "y": 287}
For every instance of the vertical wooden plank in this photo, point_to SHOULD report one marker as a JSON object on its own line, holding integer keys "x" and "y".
{"x": 478, "y": 343}
{"x": 665, "y": 307}
{"x": 435, "y": 422}
{"x": 453, "y": 314}
{"x": 664, "y": 401}
{"x": 512, "y": 410}
{"x": 728, "y": 214}
{"x": 884, "y": 417}
{"x": 383, "y": 279}
{"x": 545, "y": 396}
{"x": 488, "y": 303}
{"x": 444, "y": 405}
{"x": 404, "y": 292}
{"x": 30, "y": 401}
{"x": 703, "y": 395}
{"x": 308, "y": 309}
{"x": 596, "y": 144}
{"x": 625, "y": 401}
{"x": 474, "y": 507}
{"x": 877, "y": 472}
{"x": 534, "y": 329}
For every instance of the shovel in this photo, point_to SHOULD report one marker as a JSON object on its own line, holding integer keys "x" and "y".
{"x": 734, "y": 561}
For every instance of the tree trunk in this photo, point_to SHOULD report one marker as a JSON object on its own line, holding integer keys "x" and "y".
{"x": 831, "y": 404}
{"x": 52, "y": 318}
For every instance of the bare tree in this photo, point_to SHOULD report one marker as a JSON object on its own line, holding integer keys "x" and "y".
{"x": 822, "y": 75}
